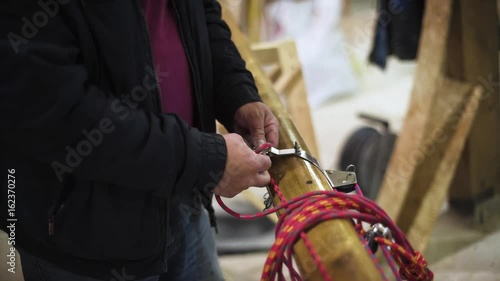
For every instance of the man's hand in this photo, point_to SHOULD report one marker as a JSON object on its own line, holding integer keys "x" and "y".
{"x": 257, "y": 124}
{"x": 244, "y": 168}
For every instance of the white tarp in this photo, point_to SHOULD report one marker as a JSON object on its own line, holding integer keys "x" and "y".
{"x": 314, "y": 25}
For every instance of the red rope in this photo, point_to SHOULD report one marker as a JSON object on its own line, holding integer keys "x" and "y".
{"x": 305, "y": 211}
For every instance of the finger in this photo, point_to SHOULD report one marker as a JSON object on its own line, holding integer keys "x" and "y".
{"x": 227, "y": 193}
{"x": 272, "y": 134}
{"x": 257, "y": 132}
{"x": 264, "y": 173}
{"x": 245, "y": 134}
{"x": 217, "y": 191}
{"x": 249, "y": 141}
{"x": 258, "y": 138}
{"x": 263, "y": 162}
{"x": 262, "y": 179}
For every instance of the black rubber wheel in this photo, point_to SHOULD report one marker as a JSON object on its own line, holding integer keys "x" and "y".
{"x": 360, "y": 150}
{"x": 354, "y": 146}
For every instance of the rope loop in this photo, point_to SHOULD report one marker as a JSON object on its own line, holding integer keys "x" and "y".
{"x": 303, "y": 212}
{"x": 416, "y": 269}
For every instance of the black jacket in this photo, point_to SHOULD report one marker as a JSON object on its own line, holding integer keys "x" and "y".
{"x": 96, "y": 162}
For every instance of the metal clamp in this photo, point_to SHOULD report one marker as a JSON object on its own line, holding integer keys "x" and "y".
{"x": 344, "y": 181}
{"x": 295, "y": 151}
{"x": 377, "y": 230}
{"x": 341, "y": 180}
{"x": 298, "y": 152}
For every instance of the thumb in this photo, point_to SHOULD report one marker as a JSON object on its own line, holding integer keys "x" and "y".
{"x": 255, "y": 127}
{"x": 258, "y": 135}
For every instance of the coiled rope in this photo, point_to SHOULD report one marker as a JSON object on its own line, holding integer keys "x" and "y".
{"x": 305, "y": 211}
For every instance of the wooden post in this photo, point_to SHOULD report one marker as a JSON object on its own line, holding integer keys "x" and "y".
{"x": 428, "y": 76}
{"x": 336, "y": 241}
{"x": 255, "y": 10}
{"x": 478, "y": 175}
{"x": 289, "y": 82}
{"x": 448, "y": 105}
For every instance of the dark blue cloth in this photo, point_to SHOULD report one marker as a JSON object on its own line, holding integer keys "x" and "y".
{"x": 397, "y": 31}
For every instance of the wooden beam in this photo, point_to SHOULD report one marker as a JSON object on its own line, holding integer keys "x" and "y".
{"x": 291, "y": 84}
{"x": 238, "y": 10}
{"x": 424, "y": 112}
{"x": 336, "y": 241}
{"x": 346, "y": 8}
{"x": 432, "y": 179}
{"x": 255, "y": 11}
{"x": 478, "y": 175}
{"x": 266, "y": 53}
{"x": 455, "y": 56}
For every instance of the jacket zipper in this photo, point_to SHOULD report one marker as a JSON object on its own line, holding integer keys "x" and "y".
{"x": 191, "y": 66}
{"x": 59, "y": 205}
{"x": 164, "y": 222}
{"x": 150, "y": 54}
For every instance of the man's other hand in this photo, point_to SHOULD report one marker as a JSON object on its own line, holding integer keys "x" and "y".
{"x": 257, "y": 124}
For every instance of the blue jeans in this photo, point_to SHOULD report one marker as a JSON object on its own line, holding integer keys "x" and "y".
{"x": 191, "y": 256}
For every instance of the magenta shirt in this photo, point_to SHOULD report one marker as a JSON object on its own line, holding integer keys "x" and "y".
{"x": 169, "y": 57}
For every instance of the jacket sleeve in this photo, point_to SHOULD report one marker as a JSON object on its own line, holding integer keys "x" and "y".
{"x": 234, "y": 84}
{"x": 52, "y": 113}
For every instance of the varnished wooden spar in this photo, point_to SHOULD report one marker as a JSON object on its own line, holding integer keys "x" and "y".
{"x": 335, "y": 241}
